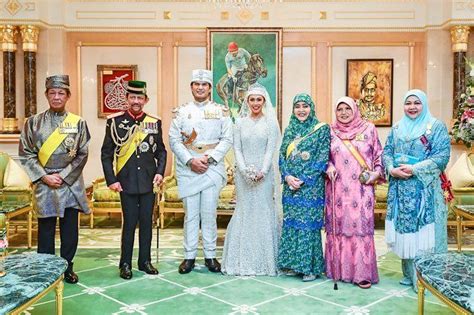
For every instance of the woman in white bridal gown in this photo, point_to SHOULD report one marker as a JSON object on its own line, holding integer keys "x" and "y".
{"x": 251, "y": 243}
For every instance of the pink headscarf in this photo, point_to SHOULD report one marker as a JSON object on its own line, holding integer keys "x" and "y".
{"x": 356, "y": 126}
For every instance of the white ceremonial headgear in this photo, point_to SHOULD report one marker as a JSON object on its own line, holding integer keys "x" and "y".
{"x": 201, "y": 75}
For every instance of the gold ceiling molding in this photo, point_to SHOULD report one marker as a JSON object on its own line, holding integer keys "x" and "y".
{"x": 374, "y": 15}
{"x": 314, "y": 28}
{"x": 245, "y": 15}
{"x": 224, "y": 15}
{"x": 284, "y": 1}
{"x": 194, "y": 15}
{"x": 116, "y": 15}
{"x": 13, "y": 6}
{"x": 290, "y": 15}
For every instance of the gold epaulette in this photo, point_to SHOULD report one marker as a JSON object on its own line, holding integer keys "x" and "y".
{"x": 117, "y": 114}
{"x": 154, "y": 116}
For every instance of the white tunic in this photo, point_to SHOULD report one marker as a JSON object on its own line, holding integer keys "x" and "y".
{"x": 212, "y": 126}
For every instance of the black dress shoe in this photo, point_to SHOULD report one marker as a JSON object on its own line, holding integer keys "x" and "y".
{"x": 126, "y": 271}
{"x": 186, "y": 266}
{"x": 69, "y": 275}
{"x": 148, "y": 268}
{"x": 212, "y": 264}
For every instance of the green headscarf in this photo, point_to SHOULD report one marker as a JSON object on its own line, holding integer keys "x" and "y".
{"x": 298, "y": 128}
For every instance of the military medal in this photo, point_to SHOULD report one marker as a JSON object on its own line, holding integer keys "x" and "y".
{"x": 72, "y": 153}
{"x": 69, "y": 142}
{"x": 125, "y": 121}
{"x": 305, "y": 155}
{"x": 154, "y": 147}
{"x": 359, "y": 137}
{"x": 144, "y": 146}
{"x": 151, "y": 140}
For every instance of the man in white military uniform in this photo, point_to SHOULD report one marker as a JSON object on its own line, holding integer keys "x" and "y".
{"x": 200, "y": 136}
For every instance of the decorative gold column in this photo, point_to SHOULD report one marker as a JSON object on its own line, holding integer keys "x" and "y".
{"x": 459, "y": 39}
{"x": 29, "y": 36}
{"x": 10, "y": 122}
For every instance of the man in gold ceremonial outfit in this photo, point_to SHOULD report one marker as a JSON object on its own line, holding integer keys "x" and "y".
{"x": 53, "y": 151}
{"x": 369, "y": 109}
{"x": 134, "y": 140}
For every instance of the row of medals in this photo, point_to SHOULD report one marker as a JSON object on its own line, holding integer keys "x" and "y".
{"x": 69, "y": 142}
{"x": 148, "y": 128}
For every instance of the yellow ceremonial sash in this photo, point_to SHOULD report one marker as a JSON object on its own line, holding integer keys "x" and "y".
{"x": 355, "y": 153}
{"x": 127, "y": 150}
{"x": 55, "y": 139}
{"x": 292, "y": 146}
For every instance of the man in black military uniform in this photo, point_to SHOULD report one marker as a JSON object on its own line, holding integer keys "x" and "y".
{"x": 134, "y": 140}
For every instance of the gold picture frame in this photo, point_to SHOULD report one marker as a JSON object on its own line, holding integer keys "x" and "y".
{"x": 370, "y": 83}
{"x": 111, "y": 84}
{"x": 264, "y": 64}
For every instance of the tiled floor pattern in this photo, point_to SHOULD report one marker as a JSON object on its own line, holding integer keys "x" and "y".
{"x": 101, "y": 291}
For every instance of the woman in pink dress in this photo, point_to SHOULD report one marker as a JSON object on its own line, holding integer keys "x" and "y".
{"x": 355, "y": 165}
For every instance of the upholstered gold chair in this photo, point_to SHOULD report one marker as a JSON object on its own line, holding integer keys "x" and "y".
{"x": 103, "y": 200}
{"x": 14, "y": 182}
{"x": 461, "y": 175}
{"x": 171, "y": 203}
{"x": 381, "y": 200}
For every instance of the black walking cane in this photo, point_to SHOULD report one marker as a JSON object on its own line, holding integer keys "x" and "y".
{"x": 158, "y": 217}
{"x": 333, "y": 201}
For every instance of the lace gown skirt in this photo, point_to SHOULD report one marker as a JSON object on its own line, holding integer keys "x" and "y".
{"x": 251, "y": 242}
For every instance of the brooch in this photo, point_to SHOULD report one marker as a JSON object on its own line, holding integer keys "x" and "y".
{"x": 305, "y": 155}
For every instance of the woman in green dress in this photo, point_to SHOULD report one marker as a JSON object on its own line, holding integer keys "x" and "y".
{"x": 304, "y": 155}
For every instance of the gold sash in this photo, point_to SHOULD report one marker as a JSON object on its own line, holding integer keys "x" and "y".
{"x": 127, "y": 150}
{"x": 55, "y": 139}
{"x": 355, "y": 153}
{"x": 292, "y": 146}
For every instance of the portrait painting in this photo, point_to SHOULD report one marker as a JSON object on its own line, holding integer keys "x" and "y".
{"x": 370, "y": 83}
{"x": 240, "y": 57}
{"x": 112, "y": 81}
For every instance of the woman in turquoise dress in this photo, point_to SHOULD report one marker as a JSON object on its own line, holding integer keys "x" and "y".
{"x": 304, "y": 155}
{"x": 416, "y": 153}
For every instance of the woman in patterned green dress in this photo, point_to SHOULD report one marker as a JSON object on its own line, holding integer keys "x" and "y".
{"x": 304, "y": 155}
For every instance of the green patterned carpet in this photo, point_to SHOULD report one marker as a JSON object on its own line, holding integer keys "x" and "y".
{"x": 101, "y": 291}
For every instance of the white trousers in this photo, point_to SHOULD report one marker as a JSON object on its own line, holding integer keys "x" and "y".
{"x": 200, "y": 208}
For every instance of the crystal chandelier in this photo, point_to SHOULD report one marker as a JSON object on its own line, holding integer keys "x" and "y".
{"x": 240, "y": 3}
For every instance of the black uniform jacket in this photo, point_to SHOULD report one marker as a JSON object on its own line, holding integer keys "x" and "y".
{"x": 136, "y": 176}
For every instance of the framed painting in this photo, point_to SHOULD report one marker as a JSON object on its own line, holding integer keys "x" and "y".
{"x": 112, "y": 81}
{"x": 370, "y": 83}
{"x": 240, "y": 57}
